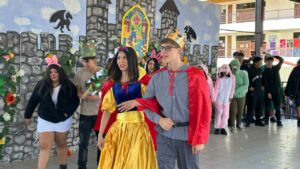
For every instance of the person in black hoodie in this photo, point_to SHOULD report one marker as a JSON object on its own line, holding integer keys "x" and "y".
{"x": 58, "y": 100}
{"x": 292, "y": 89}
{"x": 255, "y": 93}
{"x": 272, "y": 85}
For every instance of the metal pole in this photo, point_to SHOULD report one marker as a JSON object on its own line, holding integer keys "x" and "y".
{"x": 259, "y": 17}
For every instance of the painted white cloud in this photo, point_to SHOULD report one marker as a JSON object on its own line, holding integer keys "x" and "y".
{"x": 47, "y": 12}
{"x": 207, "y": 37}
{"x": 22, "y": 21}
{"x": 75, "y": 30}
{"x": 112, "y": 10}
{"x": 36, "y": 31}
{"x": 73, "y": 6}
{"x": 187, "y": 22}
{"x": 3, "y": 2}
{"x": 184, "y": 2}
{"x": 195, "y": 9}
{"x": 209, "y": 22}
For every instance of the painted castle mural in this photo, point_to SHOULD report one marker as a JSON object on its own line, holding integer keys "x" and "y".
{"x": 33, "y": 28}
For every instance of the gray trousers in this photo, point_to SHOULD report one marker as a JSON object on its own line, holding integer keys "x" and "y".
{"x": 169, "y": 150}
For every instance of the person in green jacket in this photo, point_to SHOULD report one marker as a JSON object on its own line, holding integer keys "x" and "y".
{"x": 238, "y": 102}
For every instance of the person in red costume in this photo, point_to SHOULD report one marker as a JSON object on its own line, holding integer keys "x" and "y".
{"x": 183, "y": 122}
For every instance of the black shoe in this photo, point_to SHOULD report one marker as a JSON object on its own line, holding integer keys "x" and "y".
{"x": 63, "y": 166}
{"x": 298, "y": 123}
{"x": 259, "y": 123}
{"x": 279, "y": 124}
{"x": 273, "y": 120}
{"x": 224, "y": 132}
{"x": 266, "y": 122}
{"x": 217, "y": 131}
{"x": 247, "y": 124}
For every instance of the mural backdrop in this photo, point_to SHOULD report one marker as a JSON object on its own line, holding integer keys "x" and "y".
{"x": 33, "y": 28}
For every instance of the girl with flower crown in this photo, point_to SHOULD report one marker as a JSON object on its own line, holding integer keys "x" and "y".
{"x": 128, "y": 143}
{"x": 57, "y": 98}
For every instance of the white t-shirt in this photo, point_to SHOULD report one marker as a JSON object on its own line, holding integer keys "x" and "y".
{"x": 55, "y": 94}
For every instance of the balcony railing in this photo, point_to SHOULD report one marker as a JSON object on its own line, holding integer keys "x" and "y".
{"x": 248, "y": 15}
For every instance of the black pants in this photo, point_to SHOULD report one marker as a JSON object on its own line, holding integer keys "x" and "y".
{"x": 276, "y": 99}
{"x": 256, "y": 105}
{"x": 86, "y": 125}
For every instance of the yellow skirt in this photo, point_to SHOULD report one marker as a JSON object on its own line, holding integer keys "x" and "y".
{"x": 128, "y": 144}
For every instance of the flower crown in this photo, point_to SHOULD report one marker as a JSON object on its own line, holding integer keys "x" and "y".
{"x": 123, "y": 49}
{"x": 52, "y": 60}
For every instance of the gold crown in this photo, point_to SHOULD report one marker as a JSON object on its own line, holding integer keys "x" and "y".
{"x": 174, "y": 35}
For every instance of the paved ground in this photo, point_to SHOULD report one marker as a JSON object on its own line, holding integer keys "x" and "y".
{"x": 254, "y": 148}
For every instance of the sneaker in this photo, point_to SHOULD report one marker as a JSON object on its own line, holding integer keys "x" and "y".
{"x": 224, "y": 132}
{"x": 279, "y": 124}
{"x": 217, "y": 131}
{"x": 273, "y": 120}
{"x": 232, "y": 129}
{"x": 259, "y": 123}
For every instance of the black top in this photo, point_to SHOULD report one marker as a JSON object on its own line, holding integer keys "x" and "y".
{"x": 255, "y": 78}
{"x": 271, "y": 77}
{"x": 67, "y": 103}
{"x": 293, "y": 85}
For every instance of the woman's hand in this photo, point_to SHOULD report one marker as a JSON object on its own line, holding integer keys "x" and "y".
{"x": 128, "y": 105}
{"x": 101, "y": 141}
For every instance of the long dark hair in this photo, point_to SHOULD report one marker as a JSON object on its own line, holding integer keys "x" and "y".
{"x": 45, "y": 85}
{"x": 114, "y": 71}
{"x": 156, "y": 65}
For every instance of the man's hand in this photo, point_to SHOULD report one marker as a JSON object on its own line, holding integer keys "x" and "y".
{"x": 269, "y": 96}
{"x": 166, "y": 123}
{"x": 197, "y": 148}
{"x": 28, "y": 121}
{"x": 128, "y": 105}
{"x": 251, "y": 88}
{"x": 100, "y": 141}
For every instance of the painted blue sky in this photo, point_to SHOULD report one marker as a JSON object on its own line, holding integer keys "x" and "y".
{"x": 33, "y": 15}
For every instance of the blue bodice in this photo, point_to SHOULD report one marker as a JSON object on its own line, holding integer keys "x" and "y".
{"x": 127, "y": 92}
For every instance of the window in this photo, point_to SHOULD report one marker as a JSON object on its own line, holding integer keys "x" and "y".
{"x": 245, "y": 38}
{"x": 296, "y": 35}
{"x": 247, "y": 5}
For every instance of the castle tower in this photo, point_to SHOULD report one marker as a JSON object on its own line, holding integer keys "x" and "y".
{"x": 122, "y": 6}
{"x": 169, "y": 14}
{"x": 97, "y": 27}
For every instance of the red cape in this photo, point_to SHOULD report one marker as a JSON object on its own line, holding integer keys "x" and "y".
{"x": 106, "y": 87}
{"x": 199, "y": 106}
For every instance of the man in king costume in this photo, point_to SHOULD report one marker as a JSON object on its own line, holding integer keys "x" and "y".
{"x": 183, "y": 123}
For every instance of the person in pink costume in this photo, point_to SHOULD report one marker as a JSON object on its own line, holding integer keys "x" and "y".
{"x": 223, "y": 93}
